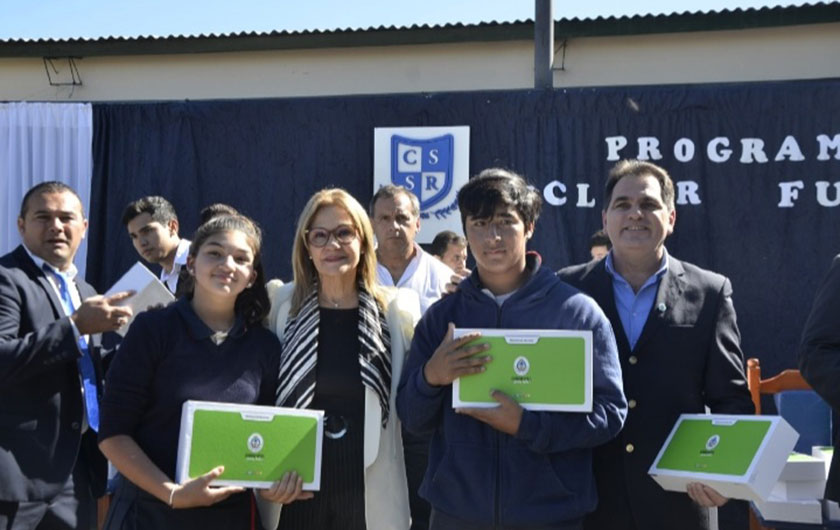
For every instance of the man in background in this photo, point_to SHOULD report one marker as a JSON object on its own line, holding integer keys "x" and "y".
{"x": 152, "y": 225}
{"x": 451, "y": 249}
{"x": 599, "y": 245}
{"x": 819, "y": 357}
{"x": 401, "y": 262}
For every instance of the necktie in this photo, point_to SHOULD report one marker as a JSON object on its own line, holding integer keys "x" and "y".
{"x": 86, "y": 361}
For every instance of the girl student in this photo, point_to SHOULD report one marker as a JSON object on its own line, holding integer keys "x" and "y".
{"x": 209, "y": 346}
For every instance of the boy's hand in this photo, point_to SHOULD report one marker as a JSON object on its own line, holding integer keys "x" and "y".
{"x": 505, "y": 418}
{"x": 454, "y": 358}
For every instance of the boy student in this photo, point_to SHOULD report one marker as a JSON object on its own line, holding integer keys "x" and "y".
{"x": 506, "y": 467}
{"x": 152, "y": 225}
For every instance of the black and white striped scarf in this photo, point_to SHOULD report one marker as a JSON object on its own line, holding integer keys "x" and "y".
{"x": 296, "y": 379}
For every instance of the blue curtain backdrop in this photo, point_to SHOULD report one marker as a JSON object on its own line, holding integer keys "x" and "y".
{"x": 266, "y": 157}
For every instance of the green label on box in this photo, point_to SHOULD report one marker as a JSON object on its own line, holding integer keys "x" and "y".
{"x": 252, "y": 450}
{"x": 551, "y": 370}
{"x": 713, "y": 446}
{"x": 799, "y": 457}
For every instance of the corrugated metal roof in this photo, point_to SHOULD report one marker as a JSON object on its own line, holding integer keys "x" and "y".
{"x": 820, "y": 12}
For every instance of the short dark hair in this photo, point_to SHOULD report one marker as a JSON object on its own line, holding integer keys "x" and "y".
{"x": 600, "y": 239}
{"x": 639, "y": 168}
{"x": 159, "y": 208}
{"x": 215, "y": 210}
{"x": 442, "y": 241}
{"x": 496, "y": 187}
{"x": 50, "y": 186}
{"x": 252, "y": 303}
{"x": 389, "y": 191}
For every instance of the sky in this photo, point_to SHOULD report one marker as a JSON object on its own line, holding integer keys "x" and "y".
{"x": 65, "y": 19}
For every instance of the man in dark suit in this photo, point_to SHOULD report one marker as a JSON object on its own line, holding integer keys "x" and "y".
{"x": 50, "y": 369}
{"x": 819, "y": 357}
{"x": 678, "y": 344}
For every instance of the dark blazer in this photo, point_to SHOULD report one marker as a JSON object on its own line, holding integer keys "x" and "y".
{"x": 687, "y": 356}
{"x": 819, "y": 357}
{"x": 41, "y": 403}
{"x": 185, "y": 283}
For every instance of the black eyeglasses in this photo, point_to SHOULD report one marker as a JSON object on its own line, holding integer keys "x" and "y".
{"x": 319, "y": 237}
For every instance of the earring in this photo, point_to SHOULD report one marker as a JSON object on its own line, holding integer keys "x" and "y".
{"x": 250, "y": 284}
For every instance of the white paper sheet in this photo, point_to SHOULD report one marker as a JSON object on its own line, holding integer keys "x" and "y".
{"x": 149, "y": 291}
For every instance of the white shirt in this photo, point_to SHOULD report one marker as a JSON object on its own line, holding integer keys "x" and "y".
{"x": 500, "y": 298}
{"x": 171, "y": 278}
{"x": 425, "y": 275}
{"x": 70, "y": 279}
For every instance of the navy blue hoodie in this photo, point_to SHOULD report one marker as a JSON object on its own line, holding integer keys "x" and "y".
{"x": 543, "y": 475}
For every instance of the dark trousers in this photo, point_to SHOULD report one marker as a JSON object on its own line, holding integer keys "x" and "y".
{"x": 441, "y": 521}
{"x": 734, "y": 515}
{"x": 340, "y": 504}
{"x": 416, "y": 452}
{"x": 74, "y": 508}
{"x": 134, "y": 509}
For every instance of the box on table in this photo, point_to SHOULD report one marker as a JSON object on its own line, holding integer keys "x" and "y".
{"x": 802, "y": 467}
{"x": 256, "y": 444}
{"x": 824, "y": 453}
{"x": 540, "y": 369}
{"x": 798, "y": 490}
{"x": 740, "y": 456}
{"x": 791, "y": 511}
{"x": 802, "y": 478}
{"x": 831, "y": 510}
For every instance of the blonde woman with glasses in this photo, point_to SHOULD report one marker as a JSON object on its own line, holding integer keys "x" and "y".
{"x": 344, "y": 340}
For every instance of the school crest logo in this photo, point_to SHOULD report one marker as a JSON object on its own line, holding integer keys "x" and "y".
{"x": 712, "y": 442}
{"x": 255, "y": 443}
{"x": 430, "y": 162}
{"x": 521, "y": 365}
{"x": 424, "y": 167}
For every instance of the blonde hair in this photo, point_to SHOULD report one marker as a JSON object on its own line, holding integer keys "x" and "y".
{"x": 305, "y": 274}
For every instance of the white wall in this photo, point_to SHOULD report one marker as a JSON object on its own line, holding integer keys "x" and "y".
{"x": 793, "y": 52}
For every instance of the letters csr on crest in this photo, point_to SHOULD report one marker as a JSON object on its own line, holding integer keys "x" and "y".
{"x": 432, "y": 163}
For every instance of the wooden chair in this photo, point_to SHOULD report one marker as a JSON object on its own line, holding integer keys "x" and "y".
{"x": 786, "y": 380}
{"x": 102, "y": 504}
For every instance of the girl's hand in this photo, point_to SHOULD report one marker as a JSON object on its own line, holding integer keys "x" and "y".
{"x": 198, "y": 492}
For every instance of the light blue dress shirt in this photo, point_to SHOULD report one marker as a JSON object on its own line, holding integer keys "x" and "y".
{"x": 634, "y": 308}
